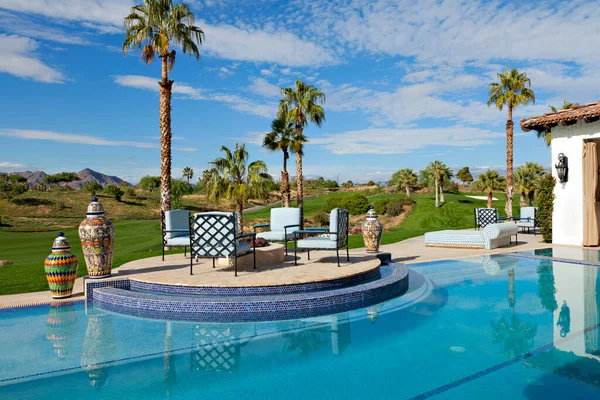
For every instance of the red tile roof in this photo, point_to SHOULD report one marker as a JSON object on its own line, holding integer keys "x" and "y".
{"x": 590, "y": 111}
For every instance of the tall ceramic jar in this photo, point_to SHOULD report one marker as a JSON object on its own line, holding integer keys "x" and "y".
{"x": 372, "y": 231}
{"x": 61, "y": 327}
{"x": 61, "y": 268}
{"x": 97, "y": 236}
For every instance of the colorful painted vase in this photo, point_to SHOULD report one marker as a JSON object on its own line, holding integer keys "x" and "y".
{"x": 61, "y": 268}
{"x": 61, "y": 327}
{"x": 372, "y": 231}
{"x": 98, "y": 347}
{"x": 97, "y": 236}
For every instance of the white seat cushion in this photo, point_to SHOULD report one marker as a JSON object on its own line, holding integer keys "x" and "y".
{"x": 177, "y": 219}
{"x": 276, "y": 236}
{"x": 281, "y": 217}
{"x": 179, "y": 241}
{"x": 467, "y": 239}
{"x": 316, "y": 243}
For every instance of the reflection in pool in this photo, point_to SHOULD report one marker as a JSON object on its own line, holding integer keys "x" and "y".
{"x": 487, "y": 327}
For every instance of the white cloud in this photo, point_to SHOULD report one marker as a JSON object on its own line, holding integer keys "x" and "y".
{"x": 23, "y": 26}
{"x": 104, "y": 29}
{"x": 260, "y": 46}
{"x": 397, "y": 141}
{"x": 8, "y": 164}
{"x": 19, "y": 58}
{"x": 186, "y": 149}
{"x": 71, "y": 138}
{"x": 262, "y": 87}
{"x": 148, "y": 83}
{"x": 266, "y": 72}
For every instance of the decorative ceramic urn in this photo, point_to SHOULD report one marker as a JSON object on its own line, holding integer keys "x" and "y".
{"x": 61, "y": 268}
{"x": 61, "y": 327}
{"x": 372, "y": 231}
{"x": 99, "y": 348}
{"x": 97, "y": 236}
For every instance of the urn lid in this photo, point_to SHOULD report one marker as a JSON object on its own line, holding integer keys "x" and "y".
{"x": 95, "y": 208}
{"x": 371, "y": 213}
{"x": 61, "y": 242}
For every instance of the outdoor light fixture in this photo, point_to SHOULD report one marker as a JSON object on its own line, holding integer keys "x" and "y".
{"x": 562, "y": 168}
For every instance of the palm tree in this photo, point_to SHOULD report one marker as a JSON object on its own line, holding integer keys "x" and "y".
{"x": 406, "y": 179}
{"x": 511, "y": 90}
{"x": 237, "y": 179}
{"x": 547, "y": 135}
{"x": 437, "y": 171}
{"x": 489, "y": 181}
{"x": 446, "y": 175}
{"x": 300, "y": 105}
{"x": 281, "y": 138}
{"x": 526, "y": 181}
{"x": 188, "y": 173}
{"x": 156, "y": 27}
{"x": 538, "y": 171}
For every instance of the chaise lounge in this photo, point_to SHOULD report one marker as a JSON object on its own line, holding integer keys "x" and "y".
{"x": 492, "y": 236}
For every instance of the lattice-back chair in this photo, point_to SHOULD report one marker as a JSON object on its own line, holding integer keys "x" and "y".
{"x": 338, "y": 236}
{"x": 485, "y": 216}
{"x": 215, "y": 235}
{"x": 175, "y": 229}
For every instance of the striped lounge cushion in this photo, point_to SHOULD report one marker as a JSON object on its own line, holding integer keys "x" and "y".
{"x": 458, "y": 239}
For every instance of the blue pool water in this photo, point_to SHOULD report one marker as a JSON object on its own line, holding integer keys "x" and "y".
{"x": 499, "y": 327}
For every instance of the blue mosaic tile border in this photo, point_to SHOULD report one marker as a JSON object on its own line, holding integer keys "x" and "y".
{"x": 40, "y": 305}
{"x": 147, "y": 287}
{"x": 92, "y": 284}
{"x": 264, "y": 307}
{"x": 557, "y": 259}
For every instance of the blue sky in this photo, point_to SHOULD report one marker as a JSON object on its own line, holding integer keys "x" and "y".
{"x": 406, "y": 82}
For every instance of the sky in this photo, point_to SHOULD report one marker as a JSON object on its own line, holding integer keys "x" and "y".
{"x": 406, "y": 83}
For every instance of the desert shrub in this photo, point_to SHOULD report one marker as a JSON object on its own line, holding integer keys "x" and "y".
{"x": 451, "y": 187}
{"x": 405, "y": 201}
{"x": 40, "y": 187}
{"x": 545, "y": 199}
{"x": 179, "y": 188}
{"x": 356, "y": 204}
{"x": 381, "y": 206}
{"x": 58, "y": 205}
{"x": 370, "y": 183}
{"x": 331, "y": 203}
{"x": 321, "y": 218}
{"x": 149, "y": 183}
{"x": 130, "y": 192}
{"x": 115, "y": 191}
{"x": 12, "y": 186}
{"x": 355, "y": 230}
{"x": 93, "y": 187}
{"x": 395, "y": 208}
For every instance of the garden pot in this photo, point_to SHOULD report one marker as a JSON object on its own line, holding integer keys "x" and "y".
{"x": 61, "y": 268}
{"x": 97, "y": 236}
{"x": 372, "y": 231}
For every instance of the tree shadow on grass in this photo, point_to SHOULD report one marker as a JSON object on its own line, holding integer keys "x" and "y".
{"x": 32, "y": 201}
{"x": 462, "y": 201}
{"x": 132, "y": 203}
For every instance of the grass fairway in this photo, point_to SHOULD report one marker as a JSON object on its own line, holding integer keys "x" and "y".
{"x": 137, "y": 239}
{"x": 134, "y": 240}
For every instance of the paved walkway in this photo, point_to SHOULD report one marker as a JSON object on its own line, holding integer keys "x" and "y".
{"x": 408, "y": 251}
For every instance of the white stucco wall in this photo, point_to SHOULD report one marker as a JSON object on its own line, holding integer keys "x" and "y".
{"x": 567, "y": 220}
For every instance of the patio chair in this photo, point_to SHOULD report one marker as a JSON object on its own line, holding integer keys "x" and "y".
{"x": 527, "y": 219}
{"x": 280, "y": 224}
{"x": 337, "y": 239}
{"x": 485, "y": 216}
{"x": 175, "y": 229}
{"x": 214, "y": 235}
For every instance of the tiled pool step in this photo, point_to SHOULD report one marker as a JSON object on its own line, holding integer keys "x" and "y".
{"x": 254, "y": 307}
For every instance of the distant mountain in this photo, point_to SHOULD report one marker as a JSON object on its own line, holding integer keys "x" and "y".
{"x": 85, "y": 176}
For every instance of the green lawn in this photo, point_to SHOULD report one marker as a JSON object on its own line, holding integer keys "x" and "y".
{"x": 137, "y": 239}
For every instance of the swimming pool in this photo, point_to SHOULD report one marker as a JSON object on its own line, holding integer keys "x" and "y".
{"x": 493, "y": 327}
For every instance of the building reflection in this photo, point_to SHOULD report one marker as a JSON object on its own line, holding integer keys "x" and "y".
{"x": 61, "y": 327}
{"x": 98, "y": 347}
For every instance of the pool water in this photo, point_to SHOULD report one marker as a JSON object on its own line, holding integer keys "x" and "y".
{"x": 494, "y": 327}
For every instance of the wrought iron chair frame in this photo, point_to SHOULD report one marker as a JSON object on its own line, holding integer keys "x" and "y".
{"x": 164, "y": 231}
{"x": 342, "y": 222}
{"x": 228, "y": 239}
{"x": 478, "y": 222}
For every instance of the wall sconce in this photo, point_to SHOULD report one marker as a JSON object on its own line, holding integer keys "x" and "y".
{"x": 562, "y": 168}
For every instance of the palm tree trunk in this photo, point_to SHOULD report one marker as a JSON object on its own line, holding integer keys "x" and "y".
{"x": 239, "y": 209}
{"x": 509, "y": 163}
{"x": 531, "y": 196}
{"x": 285, "y": 182}
{"x": 437, "y": 201}
{"x": 442, "y": 192}
{"x": 489, "y": 199}
{"x": 165, "y": 138}
{"x": 300, "y": 188}
{"x": 407, "y": 191}
{"x": 523, "y": 199}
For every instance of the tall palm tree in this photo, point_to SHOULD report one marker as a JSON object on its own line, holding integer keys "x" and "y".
{"x": 511, "y": 90}
{"x": 156, "y": 26}
{"x": 538, "y": 171}
{"x": 437, "y": 170}
{"x": 489, "y": 181}
{"x": 238, "y": 180}
{"x": 281, "y": 138}
{"x": 547, "y": 135}
{"x": 301, "y": 105}
{"x": 446, "y": 175}
{"x": 188, "y": 173}
{"x": 406, "y": 180}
